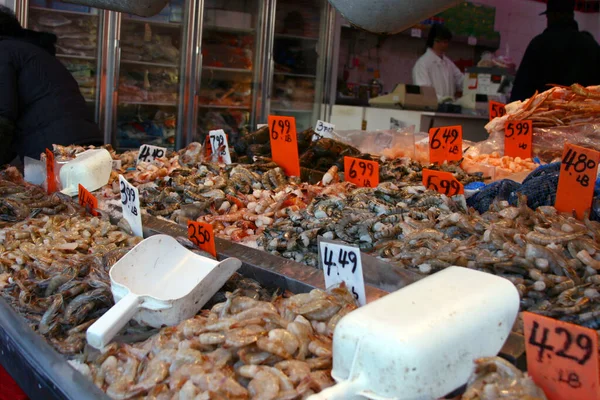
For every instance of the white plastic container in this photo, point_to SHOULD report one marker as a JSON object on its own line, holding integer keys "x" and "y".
{"x": 91, "y": 169}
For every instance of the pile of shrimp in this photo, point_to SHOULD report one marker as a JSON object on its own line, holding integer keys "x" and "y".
{"x": 242, "y": 348}
{"x": 503, "y": 166}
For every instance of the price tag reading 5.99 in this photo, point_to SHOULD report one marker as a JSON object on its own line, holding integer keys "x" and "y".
{"x": 445, "y": 144}
{"x": 496, "y": 110}
{"x": 284, "y": 144}
{"x": 518, "y": 138}
{"x": 201, "y": 234}
{"x": 442, "y": 182}
{"x": 342, "y": 263}
{"x": 363, "y": 173}
{"x": 562, "y": 358}
{"x": 130, "y": 201}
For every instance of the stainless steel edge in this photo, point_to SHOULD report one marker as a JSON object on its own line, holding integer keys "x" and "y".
{"x": 99, "y": 62}
{"x": 269, "y": 63}
{"x": 22, "y": 12}
{"x": 259, "y": 63}
{"x": 109, "y": 78}
{"x": 324, "y": 61}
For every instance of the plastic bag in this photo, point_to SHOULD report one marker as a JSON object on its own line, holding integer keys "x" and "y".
{"x": 388, "y": 143}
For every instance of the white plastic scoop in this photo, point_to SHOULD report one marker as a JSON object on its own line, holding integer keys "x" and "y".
{"x": 159, "y": 282}
{"x": 91, "y": 169}
{"x": 420, "y": 342}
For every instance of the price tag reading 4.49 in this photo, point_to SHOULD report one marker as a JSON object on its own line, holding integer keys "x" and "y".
{"x": 87, "y": 200}
{"x": 363, "y": 173}
{"x": 148, "y": 152}
{"x": 342, "y": 263}
{"x": 284, "y": 144}
{"x": 576, "y": 181}
{"x": 218, "y": 142}
{"x": 130, "y": 201}
{"x": 445, "y": 144}
{"x": 201, "y": 234}
{"x": 442, "y": 182}
{"x": 496, "y": 110}
{"x": 562, "y": 358}
{"x": 518, "y": 138}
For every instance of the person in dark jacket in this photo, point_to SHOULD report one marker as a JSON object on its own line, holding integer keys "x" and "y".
{"x": 560, "y": 55}
{"x": 40, "y": 102}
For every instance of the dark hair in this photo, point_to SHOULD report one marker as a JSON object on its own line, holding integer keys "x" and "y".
{"x": 9, "y": 24}
{"x": 438, "y": 32}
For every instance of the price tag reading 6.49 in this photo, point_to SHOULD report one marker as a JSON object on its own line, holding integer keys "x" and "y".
{"x": 445, "y": 144}
{"x": 442, "y": 182}
{"x": 518, "y": 138}
{"x": 577, "y": 178}
{"x": 562, "y": 358}
{"x": 284, "y": 144}
{"x": 363, "y": 173}
{"x": 201, "y": 234}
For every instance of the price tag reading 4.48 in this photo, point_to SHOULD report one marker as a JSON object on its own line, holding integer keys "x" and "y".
{"x": 50, "y": 173}
{"x": 496, "y": 110}
{"x": 218, "y": 142}
{"x": 342, "y": 263}
{"x": 445, "y": 144}
{"x": 284, "y": 144}
{"x": 518, "y": 138}
{"x": 576, "y": 181}
{"x": 201, "y": 234}
{"x": 442, "y": 182}
{"x": 148, "y": 152}
{"x": 363, "y": 173}
{"x": 562, "y": 358}
{"x": 87, "y": 200}
{"x": 130, "y": 201}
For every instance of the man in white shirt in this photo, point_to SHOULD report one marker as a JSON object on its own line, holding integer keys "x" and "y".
{"x": 435, "y": 69}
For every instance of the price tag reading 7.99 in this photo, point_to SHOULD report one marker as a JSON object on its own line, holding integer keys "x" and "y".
{"x": 284, "y": 144}
{"x": 518, "y": 138}
{"x": 562, "y": 358}
{"x": 442, "y": 182}
{"x": 342, "y": 263}
{"x": 445, "y": 144}
{"x": 363, "y": 173}
{"x": 201, "y": 234}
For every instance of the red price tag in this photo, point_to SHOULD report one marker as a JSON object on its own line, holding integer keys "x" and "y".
{"x": 442, "y": 182}
{"x": 88, "y": 200}
{"x": 518, "y": 138}
{"x": 577, "y": 178}
{"x": 284, "y": 144}
{"x": 445, "y": 144}
{"x": 496, "y": 110}
{"x": 201, "y": 234}
{"x": 50, "y": 174}
{"x": 562, "y": 358}
{"x": 363, "y": 173}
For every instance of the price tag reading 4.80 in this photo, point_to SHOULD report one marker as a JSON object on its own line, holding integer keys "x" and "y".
{"x": 442, "y": 182}
{"x": 149, "y": 153}
{"x": 201, "y": 234}
{"x": 342, "y": 263}
{"x": 562, "y": 358}
{"x": 284, "y": 144}
{"x": 363, "y": 173}
{"x": 130, "y": 201}
{"x": 496, "y": 110}
{"x": 87, "y": 200}
{"x": 577, "y": 178}
{"x": 518, "y": 138}
{"x": 445, "y": 144}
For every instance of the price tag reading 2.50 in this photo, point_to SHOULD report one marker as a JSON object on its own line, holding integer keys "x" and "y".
{"x": 445, "y": 144}
{"x": 518, "y": 138}
{"x": 202, "y": 235}
{"x": 442, "y": 182}
{"x": 130, "y": 201}
{"x": 496, "y": 110}
{"x": 284, "y": 144}
{"x": 577, "y": 178}
{"x": 363, "y": 173}
{"x": 562, "y": 358}
{"x": 342, "y": 263}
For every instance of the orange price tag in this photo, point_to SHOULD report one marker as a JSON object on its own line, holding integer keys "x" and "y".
{"x": 562, "y": 358}
{"x": 442, "y": 182}
{"x": 445, "y": 144}
{"x": 201, "y": 234}
{"x": 88, "y": 200}
{"x": 496, "y": 110}
{"x": 518, "y": 138}
{"x": 284, "y": 144}
{"x": 363, "y": 173}
{"x": 577, "y": 178}
{"x": 50, "y": 174}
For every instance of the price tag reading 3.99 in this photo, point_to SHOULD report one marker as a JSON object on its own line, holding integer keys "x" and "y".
{"x": 130, "y": 201}
{"x": 363, "y": 173}
{"x": 284, "y": 144}
{"x": 149, "y": 153}
{"x": 342, "y": 263}
{"x": 201, "y": 234}
{"x": 518, "y": 138}
{"x": 445, "y": 144}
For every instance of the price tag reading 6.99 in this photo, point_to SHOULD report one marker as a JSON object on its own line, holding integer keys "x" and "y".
{"x": 442, "y": 182}
{"x": 445, "y": 144}
{"x": 518, "y": 138}
{"x": 363, "y": 173}
{"x": 201, "y": 234}
{"x": 342, "y": 263}
{"x": 284, "y": 144}
{"x": 562, "y": 358}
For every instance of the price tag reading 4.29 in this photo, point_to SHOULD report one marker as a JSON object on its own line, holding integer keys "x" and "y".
{"x": 562, "y": 358}
{"x": 442, "y": 182}
{"x": 284, "y": 144}
{"x": 518, "y": 138}
{"x": 87, "y": 200}
{"x": 201, "y": 234}
{"x": 342, "y": 263}
{"x": 218, "y": 143}
{"x": 149, "y": 153}
{"x": 445, "y": 144}
{"x": 577, "y": 178}
{"x": 496, "y": 110}
{"x": 363, "y": 173}
{"x": 130, "y": 201}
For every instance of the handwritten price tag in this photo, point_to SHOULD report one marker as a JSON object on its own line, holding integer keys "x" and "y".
{"x": 87, "y": 200}
{"x": 445, "y": 144}
{"x": 149, "y": 153}
{"x": 201, "y": 234}
{"x": 342, "y": 263}
{"x": 442, "y": 182}
{"x": 50, "y": 172}
{"x": 116, "y": 164}
{"x": 562, "y": 358}
{"x": 518, "y": 138}
{"x": 218, "y": 143}
{"x": 577, "y": 179}
{"x": 130, "y": 200}
{"x": 284, "y": 144}
{"x": 496, "y": 110}
{"x": 363, "y": 173}
{"x": 324, "y": 129}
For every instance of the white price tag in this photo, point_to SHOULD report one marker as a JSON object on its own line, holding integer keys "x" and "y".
{"x": 148, "y": 152}
{"x": 261, "y": 126}
{"x": 130, "y": 200}
{"x": 323, "y": 129}
{"x": 416, "y": 32}
{"x": 342, "y": 263}
{"x": 116, "y": 164}
{"x": 472, "y": 41}
{"x": 218, "y": 141}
